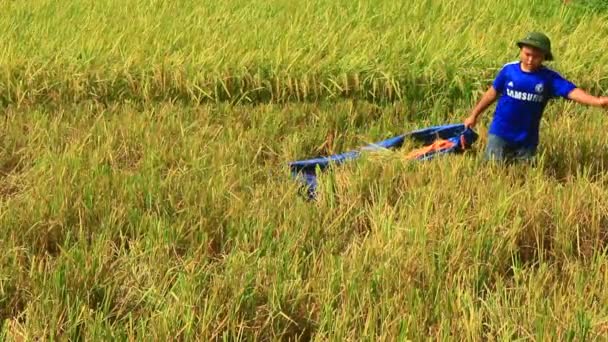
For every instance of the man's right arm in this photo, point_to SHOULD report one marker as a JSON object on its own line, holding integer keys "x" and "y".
{"x": 486, "y": 100}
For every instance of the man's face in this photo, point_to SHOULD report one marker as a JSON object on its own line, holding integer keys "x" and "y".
{"x": 532, "y": 58}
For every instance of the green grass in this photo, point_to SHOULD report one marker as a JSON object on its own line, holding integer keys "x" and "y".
{"x": 144, "y": 189}
{"x": 280, "y": 50}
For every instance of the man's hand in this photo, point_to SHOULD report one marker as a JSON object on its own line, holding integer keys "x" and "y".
{"x": 471, "y": 121}
{"x": 486, "y": 100}
{"x": 604, "y": 101}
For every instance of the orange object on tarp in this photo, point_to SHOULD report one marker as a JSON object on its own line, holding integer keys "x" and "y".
{"x": 437, "y": 146}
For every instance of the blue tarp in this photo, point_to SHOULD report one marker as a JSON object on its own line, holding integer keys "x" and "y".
{"x": 461, "y": 137}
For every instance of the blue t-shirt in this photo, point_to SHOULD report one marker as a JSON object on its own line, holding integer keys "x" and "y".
{"x": 523, "y": 97}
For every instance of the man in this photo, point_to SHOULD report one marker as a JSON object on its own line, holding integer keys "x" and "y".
{"x": 523, "y": 89}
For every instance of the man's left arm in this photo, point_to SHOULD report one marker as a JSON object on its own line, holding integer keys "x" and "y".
{"x": 562, "y": 87}
{"x": 580, "y": 96}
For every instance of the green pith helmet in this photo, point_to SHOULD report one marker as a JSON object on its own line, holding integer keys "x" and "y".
{"x": 538, "y": 40}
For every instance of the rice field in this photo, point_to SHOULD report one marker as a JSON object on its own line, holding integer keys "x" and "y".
{"x": 145, "y": 194}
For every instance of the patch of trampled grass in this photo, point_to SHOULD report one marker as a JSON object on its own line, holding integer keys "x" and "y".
{"x": 179, "y": 222}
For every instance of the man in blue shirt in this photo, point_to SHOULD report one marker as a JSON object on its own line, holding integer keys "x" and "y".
{"x": 523, "y": 89}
